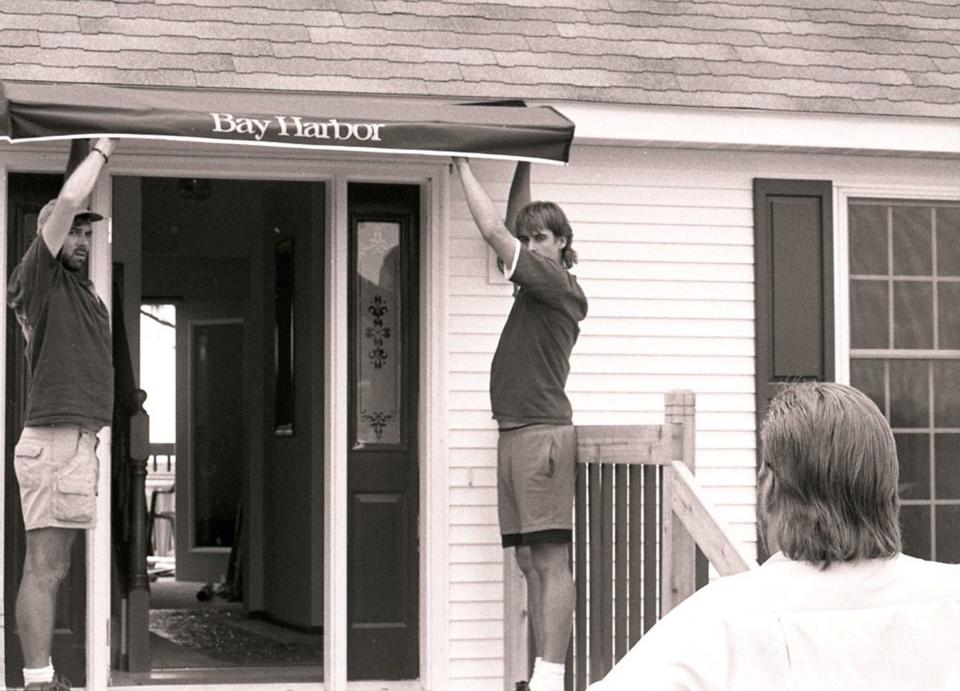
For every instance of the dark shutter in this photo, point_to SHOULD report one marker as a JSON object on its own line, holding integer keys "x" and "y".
{"x": 793, "y": 272}
{"x": 793, "y": 241}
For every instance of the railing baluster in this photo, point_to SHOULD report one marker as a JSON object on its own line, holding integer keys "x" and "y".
{"x": 651, "y": 529}
{"x": 620, "y": 564}
{"x": 138, "y": 595}
{"x": 606, "y": 567}
{"x": 580, "y": 562}
{"x": 596, "y": 594}
{"x": 636, "y": 552}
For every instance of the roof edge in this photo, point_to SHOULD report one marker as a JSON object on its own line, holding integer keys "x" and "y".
{"x": 747, "y": 129}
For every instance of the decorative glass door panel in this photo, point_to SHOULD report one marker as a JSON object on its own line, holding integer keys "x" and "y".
{"x": 379, "y": 323}
{"x": 905, "y": 354}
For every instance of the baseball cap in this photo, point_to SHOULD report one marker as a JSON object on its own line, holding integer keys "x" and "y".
{"x": 85, "y": 214}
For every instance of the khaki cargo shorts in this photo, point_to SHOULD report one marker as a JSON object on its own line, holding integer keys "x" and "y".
{"x": 536, "y": 474}
{"x": 57, "y": 470}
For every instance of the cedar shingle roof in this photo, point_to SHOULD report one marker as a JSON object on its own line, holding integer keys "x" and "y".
{"x": 839, "y": 56}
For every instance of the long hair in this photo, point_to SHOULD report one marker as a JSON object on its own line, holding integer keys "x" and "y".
{"x": 550, "y": 216}
{"x": 832, "y": 462}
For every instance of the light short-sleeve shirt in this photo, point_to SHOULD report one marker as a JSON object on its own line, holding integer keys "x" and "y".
{"x": 873, "y": 625}
{"x": 68, "y": 344}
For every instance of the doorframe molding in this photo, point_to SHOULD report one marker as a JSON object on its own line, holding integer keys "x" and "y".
{"x": 160, "y": 159}
{"x": 3, "y": 428}
{"x": 433, "y": 179}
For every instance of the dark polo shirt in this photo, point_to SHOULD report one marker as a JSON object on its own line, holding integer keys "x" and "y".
{"x": 532, "y": 361}
{"x": 68, "y": 345}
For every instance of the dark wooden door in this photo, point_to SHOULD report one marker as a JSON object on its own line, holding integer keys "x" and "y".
{"x": 27, "y": 193}
{"x": 382, "y": 477}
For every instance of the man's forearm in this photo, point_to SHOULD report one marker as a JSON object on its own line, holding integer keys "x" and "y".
{"x": 73, "y": 194}
{"x": 485, "y": 214}
{"x": 80, "y": 183}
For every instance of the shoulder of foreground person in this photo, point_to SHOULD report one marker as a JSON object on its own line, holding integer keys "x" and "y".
{"x": 698, "y": 646}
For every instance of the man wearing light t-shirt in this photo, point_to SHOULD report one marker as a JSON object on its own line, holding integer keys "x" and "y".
{"x": 536, "y": 450}
{"x": 838, "y": 607}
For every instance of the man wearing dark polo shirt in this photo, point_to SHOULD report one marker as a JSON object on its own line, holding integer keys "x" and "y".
{"x": 536, "y": 450}
{"x": 69, "y": 398}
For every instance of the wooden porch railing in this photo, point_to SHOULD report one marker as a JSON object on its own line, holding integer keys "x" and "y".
{"x": 633, "y": 561}
{"x": 162, "y": 460}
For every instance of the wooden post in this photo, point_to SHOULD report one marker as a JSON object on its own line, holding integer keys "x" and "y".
{"x": 679, "y": 551}
{"x": 138, "y": 593}
{"x": 516, "y": 624}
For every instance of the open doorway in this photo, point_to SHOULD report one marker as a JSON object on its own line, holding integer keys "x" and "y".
{"x": 232, "y": 490}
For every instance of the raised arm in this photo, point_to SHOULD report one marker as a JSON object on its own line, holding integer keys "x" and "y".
{"x": 485, "y": 215}
{"x": 73, "y": 194}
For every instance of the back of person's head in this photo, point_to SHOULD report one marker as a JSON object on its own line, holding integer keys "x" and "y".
{"x": 536, "y": 215}
{"x": 829, "y": 475}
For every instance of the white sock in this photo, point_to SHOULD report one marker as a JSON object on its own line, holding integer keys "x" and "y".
{"x": 536, "y": 661}
{"x": 547, "y": 676}
{"x": 38, "y": 675}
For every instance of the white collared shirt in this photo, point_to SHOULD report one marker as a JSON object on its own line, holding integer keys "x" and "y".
{"x": 873, "y": 625}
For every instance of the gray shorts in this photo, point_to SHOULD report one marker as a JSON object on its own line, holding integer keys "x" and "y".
{"x": 536, "y": 473}
{"x": 57, "y": 471}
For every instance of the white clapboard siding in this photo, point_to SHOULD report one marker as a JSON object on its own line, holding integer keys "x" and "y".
{"x": 666, "y": 245}
{"x": 666, "y": 261}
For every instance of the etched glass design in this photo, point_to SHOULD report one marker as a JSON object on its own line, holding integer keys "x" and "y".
{"x": 377, "y": 417}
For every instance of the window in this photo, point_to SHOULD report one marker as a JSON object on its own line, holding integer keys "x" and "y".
{"x": 905, "y": 354}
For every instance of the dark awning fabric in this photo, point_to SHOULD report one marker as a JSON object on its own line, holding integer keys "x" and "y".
{"x": 34, "y": 111}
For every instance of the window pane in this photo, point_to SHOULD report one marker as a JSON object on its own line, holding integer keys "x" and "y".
{"x": 913, "y": 450}
{"x": 912, "y": 314}
{"x": 868, "y": 239}
{"x": 948, "y": 313}
{"x": 867, "y": 375}
{"x": 377, "y": 418}
{"x": 948, "y": 534}
{"x": 915, "y": 528}
{"x": 909, "y": 394}
{"x": 947, "y": 469}
{"x": 869, "y": 314}
{"x": 912, "y": 247}
{"x": 948, "y": 241}
{"x": 946, "y": 393}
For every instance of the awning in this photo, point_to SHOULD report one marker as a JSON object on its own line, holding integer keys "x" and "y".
{"x": 35, "y": 112}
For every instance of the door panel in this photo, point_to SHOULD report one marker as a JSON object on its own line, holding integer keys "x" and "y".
{"x": 213, "y": 461}
{"x": 27, "y": 193}
{"x": 383, "y": 606}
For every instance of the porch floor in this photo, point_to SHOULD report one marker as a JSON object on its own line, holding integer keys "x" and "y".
{"x": 210, "y": 644}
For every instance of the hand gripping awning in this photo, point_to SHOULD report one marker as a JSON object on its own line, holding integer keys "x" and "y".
{"x": 381, "y": 124}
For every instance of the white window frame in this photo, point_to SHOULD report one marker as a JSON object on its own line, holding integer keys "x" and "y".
{"x": 841, "y": 252}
